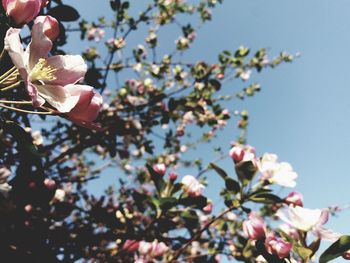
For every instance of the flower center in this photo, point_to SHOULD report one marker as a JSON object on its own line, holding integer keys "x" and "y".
{"x": 42, "y": 72}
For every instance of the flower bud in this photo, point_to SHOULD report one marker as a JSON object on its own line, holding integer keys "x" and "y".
{"x": 160, "y": 168}
{"x": 346, "y": 255}
{"x": 172, "y": 176}
{"x": 50, "y": 184}
{"x": 208, "y": 208}
{"x": 28, "y": 208}
{"x": 277, "y": 246}
{"x": 131, "y": 245}
{"x": 294, "y": 198}
{"x": 237, "y": 153}
{"x": 51, "y": 27}
{"x": 22, "y": 11}
{"x": 254, "y": 227}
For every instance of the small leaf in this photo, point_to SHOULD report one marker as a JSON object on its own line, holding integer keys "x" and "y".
{"x": 266, "y": 198}
{"x": 64, "y": 13}
{"x": 220, "y": 171}
{"x": 230, "y": 184}
{"x": 336, "y": 249}
{"x": 304, "y": 253}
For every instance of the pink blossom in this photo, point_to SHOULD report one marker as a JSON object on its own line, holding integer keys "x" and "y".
{"x": 50, "y": 26}
{"x": 277, "y": 246}
{"x": 52, "y": 79}
{"x": 22, "y": 11}
{"x": 191, "y": 186}
{"x": 294, "y": 198}
{"x": 254, "y": 227}
{"x": 154, "y": 249}
{"x": 160, "y": 168}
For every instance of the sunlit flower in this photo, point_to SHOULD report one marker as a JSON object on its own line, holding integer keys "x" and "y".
{"x": 191, "y": 186}
{"x": 254, "y": 226}
{"x": 277, "y": 246}
{"x": 45, "y": 77}
{"x": 307, "y": 220}
{"x": 275, "y": 172}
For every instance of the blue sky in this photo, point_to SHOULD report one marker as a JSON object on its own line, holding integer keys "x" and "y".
{"x": 302, "y": 113}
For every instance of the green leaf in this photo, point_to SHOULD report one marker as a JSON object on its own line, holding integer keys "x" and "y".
{"x": 64, "y": 13}
{"x": 265, "y": 198}
{"x": 336, "y": 249}
{"x": 167, "y": 203}
{"x": 230, "y": 184}
{"x": 220, "y": 171}
{"x": 245, "y": 171}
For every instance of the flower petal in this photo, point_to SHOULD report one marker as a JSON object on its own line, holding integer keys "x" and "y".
{"x": 69, "y": 69}
{"x": 299, "y": 217}
{"x": 326, "y": 234}
{"x": 58, "y": 97}
{"x": 40, "y": 45}
{"x": 14, "y": 48}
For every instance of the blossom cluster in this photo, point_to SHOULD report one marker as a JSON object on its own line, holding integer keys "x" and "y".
{"x": 49, "y": 79}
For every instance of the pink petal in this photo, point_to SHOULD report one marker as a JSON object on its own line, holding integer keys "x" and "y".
{"x": 69, "y": 69}
{"x": 40, "y": 45}
{"x": 58, "y": 97}
{"x": 89, "y": 104}
{"x": 14, "y": 47}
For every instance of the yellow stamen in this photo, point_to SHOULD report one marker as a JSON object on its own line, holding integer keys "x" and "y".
{"x": 42, "y": 71}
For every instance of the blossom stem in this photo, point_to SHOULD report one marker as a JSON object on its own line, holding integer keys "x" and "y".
{"x": 7, "y": 74}
{"x": 2, "y": 54}
{"x": 14, "y": 85}
{"x": 15, "y": 102}
{"x": 26, "y": 111}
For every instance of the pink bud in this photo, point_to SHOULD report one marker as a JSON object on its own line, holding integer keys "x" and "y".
{"x": 50, "y": 26}
{"x": 50, "y": 184}
{"x": 173, "y": 176}
{"x": 159, "y": 168}
{"x": 88, "y": 106}
{"x": 254, "y": 227}
{"x": 346, "y": 255}
{"x": 131, "y": 245}
{"x": 277, "y": 246}
{"x": 28, "y": 208}
{"x": 208, "y": 208}
{"x": 237, "y": 153}
{"x": 22, "y": 11}
{"x": 294, "y": 198}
